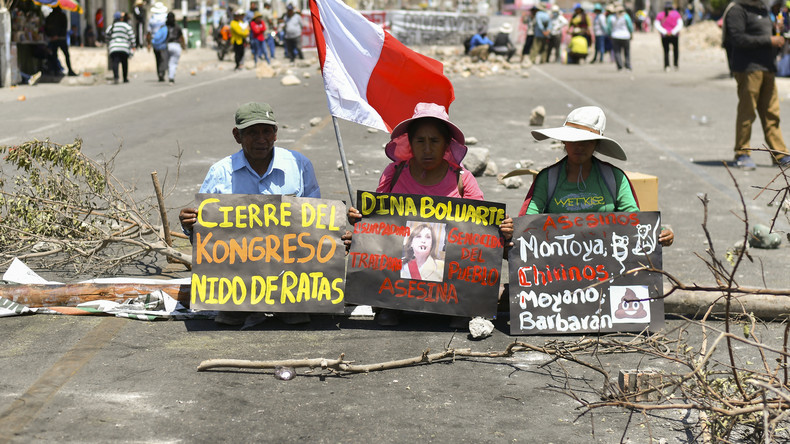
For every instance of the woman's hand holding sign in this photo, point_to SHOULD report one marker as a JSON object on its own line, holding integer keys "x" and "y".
{"x": 353, "y": 216}
{"x": 506, "y": 228}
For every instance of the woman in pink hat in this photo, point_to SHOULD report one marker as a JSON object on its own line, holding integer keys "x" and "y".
{"x": 426, "y": 152}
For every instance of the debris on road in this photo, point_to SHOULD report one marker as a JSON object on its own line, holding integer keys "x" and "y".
{"x": 513, "y": 182}
{"x": 476, "y": 160}
{"x": 537, "y": 116}
{"x": 762, "y": 237}
{"x": 290, "y": 80}
{"x": 480, "y": 327}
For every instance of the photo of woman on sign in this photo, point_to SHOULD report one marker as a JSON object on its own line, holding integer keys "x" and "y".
{"x": 422, "y": 255}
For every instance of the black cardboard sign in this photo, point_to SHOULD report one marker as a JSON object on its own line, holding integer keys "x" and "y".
{"x": 456, "y": 243}
{"x": 567, "y": 273}
{"x": 271, "y": 253}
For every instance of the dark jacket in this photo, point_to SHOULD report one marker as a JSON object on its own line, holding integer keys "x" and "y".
{"x": 502, "y": 40}
{"x": 56, "y": 24}
{"x": 748, "y": 29}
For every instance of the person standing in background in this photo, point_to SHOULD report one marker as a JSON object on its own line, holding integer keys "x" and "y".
{"x": 257, "y": 38}
{"x": 529, "y": 22}
{"x": 558, "y": 24}
{"x": 99, "y": 19}
{"x": 158, "y": 19}
{"x": 750, "y": 34}
{"x": 175, "y": 44}
{"x": 268, "y": 20}
{"x": 582, "y": 22}
{"x": 56, "y": 28}
{"x": 599, "y": 29}
{"x": 239, "y": 30}
{"x": 249, "y": 15}
{"x": 293, "y": 34}
{"x": 542, "y": 31}
{"x": 139, "y": 23}
{"x": 120, "y": 41}
{"x": 620, "y": 29}
{"x": 89, "y": 37}
{"x": 577, "y": 46}
{"x": 669, "y": 23}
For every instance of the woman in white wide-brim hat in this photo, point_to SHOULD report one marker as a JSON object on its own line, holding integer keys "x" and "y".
{"x": 580, "y": 182}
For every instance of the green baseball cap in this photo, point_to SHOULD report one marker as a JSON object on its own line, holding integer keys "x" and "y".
{"x": 254, "y": 113}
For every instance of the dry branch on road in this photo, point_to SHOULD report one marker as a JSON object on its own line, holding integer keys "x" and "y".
{"x": 59, "y": 208}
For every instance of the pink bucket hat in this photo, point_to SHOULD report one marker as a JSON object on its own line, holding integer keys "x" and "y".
{"x": 399, "y": 149}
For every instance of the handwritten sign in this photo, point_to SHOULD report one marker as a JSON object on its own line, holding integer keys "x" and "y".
{"x": 255, "y": 252}
{"x": 426, "y": 253}
{"x": 568, "y": 273}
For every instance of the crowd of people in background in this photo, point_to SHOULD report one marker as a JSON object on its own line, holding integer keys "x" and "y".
{"x": 602, "y": 31}
{"x": 754, "y": 36}
{"x": 260, "y": 31}
{"x": 155, "y": 28}
{"x": 558, "y": 36}
{"x": 552, "y": 34}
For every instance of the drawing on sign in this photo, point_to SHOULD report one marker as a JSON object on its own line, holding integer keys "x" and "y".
{"x": 629, "y": 303}
{"x": 423, "y": 252}
{"x": 645, "y": 243}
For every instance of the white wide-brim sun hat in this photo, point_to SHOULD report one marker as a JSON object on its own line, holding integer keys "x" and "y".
{"x": 159, "y": 8}
{"x": 585, "y": 123}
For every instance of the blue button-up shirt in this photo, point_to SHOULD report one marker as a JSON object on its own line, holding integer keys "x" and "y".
{"x": 478, "y": 40}
{"x": 289, "y": 173}
{"x": 542, "y": 23}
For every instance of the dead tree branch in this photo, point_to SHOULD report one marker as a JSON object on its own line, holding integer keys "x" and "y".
{"x": 59, "y": 208}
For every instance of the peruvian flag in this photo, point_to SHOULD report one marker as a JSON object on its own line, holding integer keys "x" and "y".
{"x": 370, "y": 77}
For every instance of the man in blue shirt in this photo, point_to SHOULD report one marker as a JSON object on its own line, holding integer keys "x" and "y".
{"x": 540, "y": 51}
{"x": 259, "y": 167}
{"x": 479, "y": 45}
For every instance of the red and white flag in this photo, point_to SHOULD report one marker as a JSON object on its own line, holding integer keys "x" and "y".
{"x": 369, "y": 76}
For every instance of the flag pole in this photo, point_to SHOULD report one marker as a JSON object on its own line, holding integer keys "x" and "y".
{"x": 343, "y": 160}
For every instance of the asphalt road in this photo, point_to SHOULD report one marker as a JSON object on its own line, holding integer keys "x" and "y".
{"x": 89, "y": 379}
